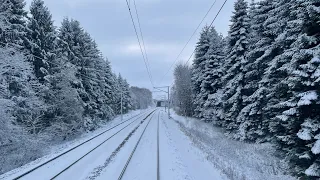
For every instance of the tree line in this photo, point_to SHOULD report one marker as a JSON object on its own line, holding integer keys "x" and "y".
{"x": 261, "y": 83}
{"x": 141, "y": 98}
{"x": 53, "y": 80}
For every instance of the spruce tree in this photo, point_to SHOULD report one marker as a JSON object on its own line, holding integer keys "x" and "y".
{"x": 82, "y": 52}
{"x": 116, "y": 94}
{"x": 234, "y": 65}
{"x": 41, "y": 39}
{"x": 272, "y": 80}
{"x": 12, "y": 20}
{"x": 198, "y": 69}
{"x": 124, "y": 94}
{"x": 104, "y": 89}
{"x": 298, "y": 126}
{"x": 259, "y": 54}
{"x": 70, "y": 35}
{"x": 300, "y": 141}
{"x": 211, "y": 85}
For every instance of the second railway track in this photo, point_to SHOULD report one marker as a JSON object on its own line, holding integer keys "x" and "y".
{"x": 135, "y": 149}
{"x": 34, "y": 174}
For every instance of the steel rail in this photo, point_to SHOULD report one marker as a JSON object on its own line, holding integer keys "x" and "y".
{"x": 75, "y": 147}
{"x": 158, "y": 152}
{"x": 133, "y": 151}
{"x": 65, "y": 169}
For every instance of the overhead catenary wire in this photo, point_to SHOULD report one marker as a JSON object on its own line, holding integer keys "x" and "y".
{"x": 149, "y": 74}
{"x": 143, "y": 44}
{"x": 208, "y": 27}
{"x": 194, "y": 32}
{"x": 143, "y": 56}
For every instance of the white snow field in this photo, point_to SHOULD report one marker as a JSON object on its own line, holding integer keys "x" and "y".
{"x": 236, "y": 159}
{"x": 152, "y": 146}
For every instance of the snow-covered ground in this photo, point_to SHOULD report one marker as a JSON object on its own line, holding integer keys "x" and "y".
{"x": 188, "y": 149}
{"x": 141, "y": 160}
{"x": 237, "y": 160}
{"x": 179, "y": 158}
{"x": 58, "y": 149}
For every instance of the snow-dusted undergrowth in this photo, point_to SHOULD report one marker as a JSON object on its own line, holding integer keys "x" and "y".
{"x": 238, "y": 160}
{"x": 30, "y": 151}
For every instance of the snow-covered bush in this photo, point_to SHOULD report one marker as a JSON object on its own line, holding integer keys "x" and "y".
{"x": 18, "y": 108}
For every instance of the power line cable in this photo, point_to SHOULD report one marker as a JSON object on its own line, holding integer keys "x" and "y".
{"x": 208, "y": 27}
{"x": 143, "y": 44}
{"x": 135, "y": 29}
{"x": 195, "y": 31}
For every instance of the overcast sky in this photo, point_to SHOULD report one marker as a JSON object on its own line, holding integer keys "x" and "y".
{"x": 166, "y": 25}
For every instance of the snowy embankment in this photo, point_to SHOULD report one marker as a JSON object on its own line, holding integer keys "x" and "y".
{"x": 237, "y": 160}
{"x": 180, "y": 159}
{"x": 54, "y": 150}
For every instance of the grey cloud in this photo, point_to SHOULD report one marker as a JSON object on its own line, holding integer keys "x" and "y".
{"x": 166, "y": 25}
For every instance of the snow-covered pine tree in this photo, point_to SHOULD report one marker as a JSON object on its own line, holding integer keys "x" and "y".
{"x": 69, "y": 44}
{"x": 251, "y": 15}
{"x": 69, "y": 40}
{"x": 301, "y": 140}
{"x": 66, "y": 111}
{"x": 12, "y": 23}
{"x": 281, "y": 66}
{"x": 259, "y": 55}
{"x": 41, "y": 39}
{"x": 277, "y": 89}
{"x": 234, "y": 65}
{"x": 109, "y": 81}
{"x": 82, "y": 52}
{"x": 198, "y": 69}
{"x": 89, "y": 75}
{"x": 18, "y": 81}
{"x": 125, "y": 93}
{"x": 105, "y": 84}
{"x": 211, "y": 86}
{"x": 116, "y": 94}
{"x": 299, "y": 127}
{"x": 128, "y": 103}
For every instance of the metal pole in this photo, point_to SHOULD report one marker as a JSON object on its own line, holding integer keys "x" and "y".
{"x": 169, "y": 102}
{"x": 168, "y": 92}
{"x": 121, "y": 105}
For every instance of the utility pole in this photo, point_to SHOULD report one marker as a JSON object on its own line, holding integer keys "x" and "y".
{"x": 121, "y": 105}
{"x": 169, "y": 102}
{"x": 168, "y": 92}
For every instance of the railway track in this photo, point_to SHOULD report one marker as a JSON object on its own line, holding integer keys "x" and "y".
{"x": 158, "y": 151}
{"x": 60, "y": 156}
{"x": 135, "y": 148}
